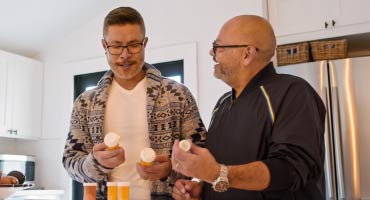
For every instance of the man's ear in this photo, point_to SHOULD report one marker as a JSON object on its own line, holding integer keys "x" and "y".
{"x": 103, "y": 44}
{"x": 249, "y": 55}
{"x": 146, "y": 41}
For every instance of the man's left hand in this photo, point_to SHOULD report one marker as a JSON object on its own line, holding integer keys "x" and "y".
{"x": 198, "y": 162}
{"x": 160, "y": 169}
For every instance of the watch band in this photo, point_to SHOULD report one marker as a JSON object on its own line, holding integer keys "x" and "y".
{"x": 221, "y": 184}
{"x": 223, "y": 171}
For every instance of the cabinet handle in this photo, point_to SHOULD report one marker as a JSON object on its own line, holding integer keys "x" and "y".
{"x": 15, "y": 132}
{"x": 333, "y": 23}
{"x": 326, "y": 24}
{"x": 10, "y": 131}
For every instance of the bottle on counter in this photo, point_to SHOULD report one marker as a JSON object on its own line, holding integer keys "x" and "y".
{"x": 112, "y": 190}
{"x": 123, "y": 190}
{"x": 90, "y": 191}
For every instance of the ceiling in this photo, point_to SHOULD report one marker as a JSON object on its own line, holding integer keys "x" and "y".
{"x": 28, "y": 26}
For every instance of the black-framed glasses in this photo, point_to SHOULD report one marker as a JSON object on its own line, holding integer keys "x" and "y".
{"x": 215, "y": 46}
{"x": 132, "y": 48}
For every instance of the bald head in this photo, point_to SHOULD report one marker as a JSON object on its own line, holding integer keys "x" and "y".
{"x": 252, "y": 30}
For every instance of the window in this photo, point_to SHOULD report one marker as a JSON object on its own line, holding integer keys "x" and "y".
{"x": 173, "y": 70}
{"x": 85, "y": 82}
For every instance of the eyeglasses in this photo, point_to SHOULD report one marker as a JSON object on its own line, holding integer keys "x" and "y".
{"x": 215, "y": 46}
{"x": 132, "y": 48}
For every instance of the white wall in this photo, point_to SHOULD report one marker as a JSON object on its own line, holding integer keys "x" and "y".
{"x": 168, "y": 23}
{"x": 7, "y": 146}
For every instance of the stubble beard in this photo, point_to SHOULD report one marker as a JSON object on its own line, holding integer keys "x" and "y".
{"x": 220, "y": 74}
{"x": 127, "y": 75}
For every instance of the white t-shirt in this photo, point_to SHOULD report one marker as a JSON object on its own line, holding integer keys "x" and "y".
{"x": 125, "y": 114}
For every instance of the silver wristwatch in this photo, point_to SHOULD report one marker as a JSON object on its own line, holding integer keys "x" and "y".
{"x": 221, "y": 184}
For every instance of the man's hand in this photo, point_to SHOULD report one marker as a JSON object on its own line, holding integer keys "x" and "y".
{"x": 198, "y": 162}
{"x": 186, "y": 190}
{"x": 108, "y": 158}
{"x": 160, "y": 169}
{"x": 7, "y": 179}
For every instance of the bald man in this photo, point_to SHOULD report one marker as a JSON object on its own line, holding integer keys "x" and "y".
{"x": 266, "y": 137}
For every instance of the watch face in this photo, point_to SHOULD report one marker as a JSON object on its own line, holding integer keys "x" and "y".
{"x": 222, "y": 185}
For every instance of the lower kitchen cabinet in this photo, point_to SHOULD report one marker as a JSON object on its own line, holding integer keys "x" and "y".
{"x": 21, "y": 88}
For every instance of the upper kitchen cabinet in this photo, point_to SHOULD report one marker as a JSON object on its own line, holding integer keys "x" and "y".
{"x": 302, "y": 20}
{"x": 296, "y": 16}
{"x": 20, "y": 97}
{"x": 3, "y": 76}
{"x": 352, "y": 12}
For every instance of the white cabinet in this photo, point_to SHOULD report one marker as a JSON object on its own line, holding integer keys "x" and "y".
{"x": 296, "y": 16}
{"x": 3, "y": 76}
{"x": 352, "y": 12}
{"x": 20, "y": 97}
{"x": 300, "y": 20}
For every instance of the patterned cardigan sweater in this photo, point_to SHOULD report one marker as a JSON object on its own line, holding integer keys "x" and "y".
{"x": 172, "y": 114}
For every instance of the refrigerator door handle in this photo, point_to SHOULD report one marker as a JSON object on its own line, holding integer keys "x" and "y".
{"x": 338, "y": 143}
{"x": 329, "y": 162}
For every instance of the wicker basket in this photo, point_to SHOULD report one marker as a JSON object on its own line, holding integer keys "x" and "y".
{"x": 291, "y": 54}
{"x": 325, "y": 50}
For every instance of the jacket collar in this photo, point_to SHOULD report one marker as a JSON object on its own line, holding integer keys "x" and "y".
{"x": 153, "y": 76}
{"x": 259, "y": 79}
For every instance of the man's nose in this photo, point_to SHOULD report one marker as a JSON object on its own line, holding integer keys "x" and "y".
{"x": 211, "y": 52}
{"x": 125, "y": 53}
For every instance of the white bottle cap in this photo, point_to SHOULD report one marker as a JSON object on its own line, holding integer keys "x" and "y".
{"x": 111, "y": 183}
{"x": 185, "y": 145}
{"x": 147, "y": 155}
{"x": 111, "y": 139}
{"x": 122, "y": 184}
{"x": 196, "y": 180}
{"x": 90, "y": 184}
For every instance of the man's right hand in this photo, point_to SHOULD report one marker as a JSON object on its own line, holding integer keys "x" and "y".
{"x": 186, "y": 190}
{"x": 108, "y": 158}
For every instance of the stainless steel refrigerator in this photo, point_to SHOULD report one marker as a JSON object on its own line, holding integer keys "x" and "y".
{"x": 344, "y": 86}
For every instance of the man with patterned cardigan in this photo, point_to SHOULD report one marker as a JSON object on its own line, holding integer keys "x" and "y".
{"x": 136, "y": 102}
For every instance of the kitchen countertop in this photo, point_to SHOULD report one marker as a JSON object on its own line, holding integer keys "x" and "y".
{"x": 38, "y": 194}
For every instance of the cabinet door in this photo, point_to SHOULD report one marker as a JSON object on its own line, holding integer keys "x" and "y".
{"x": 27, "y": 98}
{"x": 297, "y": 16}
{"x": 3, "y": 77}
{"x": 350, "y": 12}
